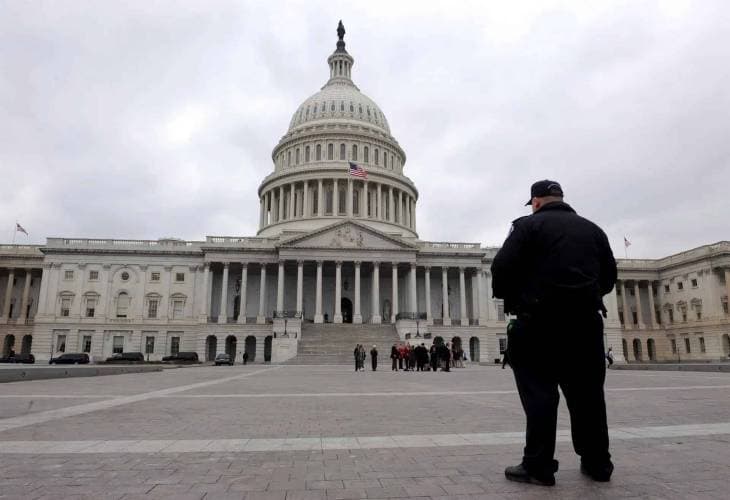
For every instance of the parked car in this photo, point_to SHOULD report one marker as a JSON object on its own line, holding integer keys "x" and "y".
{"x": 182, "y": 357}
{"x": 24, "y": 358}
{"x": 70, "y": 358}
{"x": 126, "y": 357}
{"x": 223, "y": 359}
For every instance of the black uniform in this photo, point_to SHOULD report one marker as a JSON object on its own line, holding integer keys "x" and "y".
{"x": 374, "y": 358}
{"x": 552, "y": 272}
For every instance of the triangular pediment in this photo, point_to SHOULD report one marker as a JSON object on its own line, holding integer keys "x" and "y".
{"x": 347, "y": 234}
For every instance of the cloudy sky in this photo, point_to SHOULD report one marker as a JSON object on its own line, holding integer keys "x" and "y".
{"x": 144, "y": 119}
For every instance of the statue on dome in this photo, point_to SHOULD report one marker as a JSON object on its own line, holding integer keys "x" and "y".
{"x": 341, "y": 31}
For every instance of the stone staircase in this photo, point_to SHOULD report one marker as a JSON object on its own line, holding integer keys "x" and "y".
{"x": 332, "y": 344}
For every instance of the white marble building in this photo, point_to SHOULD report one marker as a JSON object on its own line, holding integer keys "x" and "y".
{"x": 331, "y": 247}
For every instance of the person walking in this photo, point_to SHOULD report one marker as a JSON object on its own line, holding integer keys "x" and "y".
{"x": 374, "y": 357}
{"x": 446, "y": 353}
{"x": 434, "y": 354}
{"x": 609, "y": 356}
{"x": 394, "y": 358}
{"x": 356, "y": 355}
{"x": 362, "y": 357}
{"x": 244, "y": 357}
{"x": 552, "y": 272}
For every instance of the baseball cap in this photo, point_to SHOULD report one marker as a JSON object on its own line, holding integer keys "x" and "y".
{"x": 544, "y": 188}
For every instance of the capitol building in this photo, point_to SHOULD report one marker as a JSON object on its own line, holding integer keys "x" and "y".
{"x": 336, "y": 260}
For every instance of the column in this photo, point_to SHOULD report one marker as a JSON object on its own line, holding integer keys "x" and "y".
{"x": 43, "y": 308}
{"x": 638, "y": 305}
{"x": 261, "y": 318}
{"x": 292, "y": 205}
{"x": 348, "y": 208}
{"x": 335, "y": 197}
{"x": 727, "y": 285}
{"x": 628, "y": 320}
{"x": 280, "y": 213}
{"x": 408, "y": 211}
{"x": 413, "y": 215}
{"x": 483, "y": 298}
{"x": 462, "y": 297}
{"x": 280, "y": 288}
{"x": 204, "y": 306}
{"x": 427, "y": 282}
{"x": 376, "y": 318}
{"x": 268, "y": 210}
{"x": 320, "y": 199}
{"x": 475, "y": 296}
{"x": 379, "y": 204}
{"x": 445, "y": 292}
{"x": 305, "y": 200}
{"x": 300, "y": 284}
{"x": 356, "y": 315}
{"x": 366, "y": 201}
{"x": 261, "y": 214}
{"x": 652, "y": 318}
{"x": 391, "y": 215}
{"x": 413, "y": 294}
{"x": 8, "y": 294}
{"x": 318, "y": 318}
{"x": 244, "y": 287}
{"x": 223, "y": 312}
{"x": 338, "y": 292}
{"x": 394, "y": 305}
{"x": 24, "y": 303}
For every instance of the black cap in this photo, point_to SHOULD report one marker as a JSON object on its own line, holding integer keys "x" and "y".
{"x": 544, "y": 188}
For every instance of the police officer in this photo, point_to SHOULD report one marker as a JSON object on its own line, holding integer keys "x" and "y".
{"x": 552, "y": 273}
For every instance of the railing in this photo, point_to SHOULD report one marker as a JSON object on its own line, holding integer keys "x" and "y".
{"x": 237, "y": 240}
{"x": 410, "y": 315}
{"x": 95, "y": 242}
{"x": 449, "y": 245}
{"x": 288, "y": 314}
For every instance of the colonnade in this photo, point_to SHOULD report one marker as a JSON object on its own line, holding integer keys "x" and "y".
{"x": 322, "y": 197}
{"x": 374, "y": 273}
{"x": 9, "y": 316}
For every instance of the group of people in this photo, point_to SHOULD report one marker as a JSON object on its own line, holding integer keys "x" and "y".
{"x": 409, "y": 358}
{"x": 359, "y": 355}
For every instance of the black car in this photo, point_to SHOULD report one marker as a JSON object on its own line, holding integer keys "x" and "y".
{"x": 70, "y": 358}
{"x": 182, "y": 357}
{"x": 223, "y": 359}
{"x": 126, "y": 357}
{"x": 18, "y": 358}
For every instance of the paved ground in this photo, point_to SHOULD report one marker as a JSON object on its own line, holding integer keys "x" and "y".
{"x": 326, "y": 432}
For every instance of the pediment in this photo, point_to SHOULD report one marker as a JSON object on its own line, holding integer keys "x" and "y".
{"x": 347, "y": 235}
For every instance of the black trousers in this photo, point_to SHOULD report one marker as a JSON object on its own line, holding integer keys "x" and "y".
{"x": 561, "y": 350}
{"x": 374, "y": 363}
{"x": 395, "y": 364}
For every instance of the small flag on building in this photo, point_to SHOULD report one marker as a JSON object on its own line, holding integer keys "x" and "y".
{"x": 20, "y": 228}
{"x": 358, "y": 171}
{"x": 627, "y": 243}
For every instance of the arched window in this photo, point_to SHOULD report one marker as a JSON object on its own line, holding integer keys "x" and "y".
{"x": 306, "y": 154}
{"x": 392, "y": 162}
{"x": 123, "y": 302}
{"x": 385, "y": 159}
{"x": 318, "y": 152}
{"x": 366, "y": 155}
{"x": 376, "y": 154}
{"x": 354, "y": 152}
{"x": 343, "y": 154}
{"x": 288, "y": 159}
{"x": 330, "y": 151}
{"x": 342, "y": 106}
{"x": 297, "y": 156}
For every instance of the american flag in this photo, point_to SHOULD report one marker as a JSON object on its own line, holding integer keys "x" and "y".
{"x": 358, "y": 171}
{"x": 20, "y": 228}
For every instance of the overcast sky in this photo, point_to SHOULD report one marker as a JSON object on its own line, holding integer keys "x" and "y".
{"x": 143, "y": 119}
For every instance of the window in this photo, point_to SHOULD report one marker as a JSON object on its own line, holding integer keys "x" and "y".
{"x": 93, "y": 275}
{"x": 179, "y": 277}
{"x": 174, "y": 345}
{"x": 86, "y": 344}
{"x": 658, "y": 316}
{"x": 356, "y": 202}
{"x": 354, "y": 152}
{"x": 343, "y": 154}
{"x": 671, "y": 315}
{"x": 366, "y": 155}
{"x": 68, "y": 275}
{"x": 500, "y": 312}
{"x": 90, "y": 307}
{"x": 149, "y": 345}
{"x": 725, "y": 308}
{"x": 684, "y": 315}
{"x": 296, "y": 156}
{"x": 328, "y": 201}
{"x": 385, "y": 159}
{"x": 702, "y": 344}
{"x": 330, "y": 151}
{"x": 122, "y": 305}
{"x": 318, "y": 152}
{"x": 392, "y": 162}
{"x": 674, "y": 346}
{"x": 621, "y": 317}
{"x": 680, "y": 286}
{"x": 342, "y": 200}
{"x": 666, "y": 288}
{"x": 502, "y": 345}
{"x": 634, "y": 317}
{"x": 698, "y": 312}
{"x": 152, "y": 308}
{"x": 118, "y": 345}
{"x": 376, "y": 155}
{"x": 288, "y": 159}
{"x": 177, "y": 308}
{"x": 687, "y": 346}
{"x": 306, "y": 154}
{"x": 61, "y": 343}
{"x": 65, "y": 306}
{"x": 155, "y": 276}
{"x": 125, "y": 276}
{"x": 694, "y": 283}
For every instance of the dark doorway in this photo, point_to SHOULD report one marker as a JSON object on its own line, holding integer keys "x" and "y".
{"x": 267, "y": 349}
{"x": 251, "y": 348}
{"x": 26, "y": 344}
{"x": 231, "y": 347}
{"x": 346, "y": 306}
{"x": 236, "y": 306}
{"x": 211, "y": 347}
{"x": 474, "y": 349}
{"x": 8, "y": 345}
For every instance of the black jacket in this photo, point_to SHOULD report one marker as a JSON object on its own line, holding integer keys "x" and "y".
{"x": 552, "y": 256}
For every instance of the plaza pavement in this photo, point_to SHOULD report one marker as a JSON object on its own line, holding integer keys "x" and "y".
{"x": 327, "y": 432}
